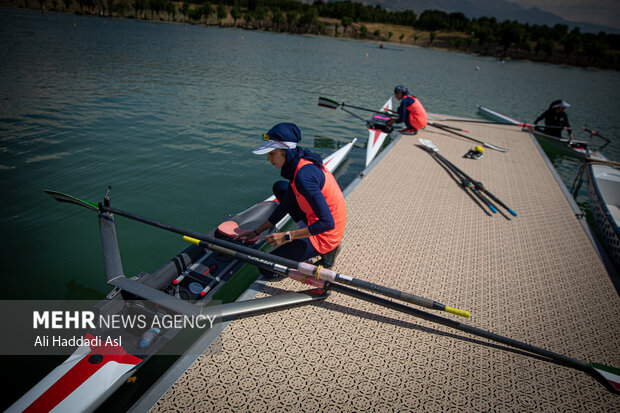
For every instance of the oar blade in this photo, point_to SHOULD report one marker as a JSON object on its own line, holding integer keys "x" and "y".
{"x": 328, "y": 103}
{"x": 429, "y": 144}
{"x": 610, "y": 374}
{"x": 497, "y": 148}
{"x": 60, "y": 197}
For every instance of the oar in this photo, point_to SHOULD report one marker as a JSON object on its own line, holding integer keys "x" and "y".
{"x": 607, "y": 374}
{"x": 332, "y": 104}
{"x": 465, "y": 182}
{"x": 490, "y": 122}
{"x": 594, "y": 160}
{"x": 610, "y": 374}
{"x": 453, "y": 127}
{"x": 596, "y": 133}
{"x": 277, "y": 264}
{"x": 488, "y": 145}
{"x": 431, "y": 146}
{"x": 304, "y": 268}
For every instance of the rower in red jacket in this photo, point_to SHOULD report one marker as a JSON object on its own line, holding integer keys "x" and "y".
{"x": 410, "y": 111}
{"x": 310, "y": 195}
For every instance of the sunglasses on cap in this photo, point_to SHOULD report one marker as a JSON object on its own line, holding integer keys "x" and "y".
{"x": 267, "y": 138}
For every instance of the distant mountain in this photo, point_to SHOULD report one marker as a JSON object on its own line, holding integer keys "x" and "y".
{"x": 500, "y": 9}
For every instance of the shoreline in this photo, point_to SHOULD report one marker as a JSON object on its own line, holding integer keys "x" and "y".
{"x": 326, "y": 27}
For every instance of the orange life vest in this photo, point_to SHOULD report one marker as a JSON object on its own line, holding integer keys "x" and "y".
{"x": 327, "y": 240}
{"x": 417, "y": 114}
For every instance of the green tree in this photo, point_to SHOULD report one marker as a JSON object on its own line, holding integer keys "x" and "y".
{"x": 390, "y": 34}
{"x": 377, "y": 33}
{"x": 196, "y": 14}
{"x": 235, "y": 13}
{"x": 346, "y": 22}
{"x": 510, "y": 33}
{"x": 558, "y": 32}
{"x": 120, "y": 8}
{"x": 545, "y": 45}
{"x": 247, "y": 17}
{"x": 277, "y": 18}
{"x": 206, "y": 11}
{"x": 308, "y": 18}
{"x": 138, "y": 6}
{"x": 292, "y": 18}
{"x": 185, "y": 10}
{"x": 68, "y": 4}
{"x": 171, "y": 9}
{"x": 572, "y": 43}
{"x": 401, "y": 37}
{"x": 363, "y": 31}
{"x": 260, "y": 13}
{"x": 336, "y": 27}
{"x": 110, "y": 6}
{"x": 221, "y": 13}
{"x": 433, "y": 36}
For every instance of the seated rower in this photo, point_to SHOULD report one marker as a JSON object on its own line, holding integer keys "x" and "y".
{"x": 310, "y": 195}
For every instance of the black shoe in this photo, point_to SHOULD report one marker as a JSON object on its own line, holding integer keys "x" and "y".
{"x": 328, "y": 259}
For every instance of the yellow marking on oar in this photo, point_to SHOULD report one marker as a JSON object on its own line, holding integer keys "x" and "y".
{"x": 317, "y": 274}
{"x": 191, "y": 240}
{"x": 458, "y": 312}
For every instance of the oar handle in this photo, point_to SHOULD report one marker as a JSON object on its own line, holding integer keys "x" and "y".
{"x": 465, "y": 181}
{"x": 593, "y": 160}
{"x": 477, "y": 184}
{"x": 335, "y": 277}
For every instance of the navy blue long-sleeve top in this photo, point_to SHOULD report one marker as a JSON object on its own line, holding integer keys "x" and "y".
{"x": 309, "y": 182}
{"x": 402, "y": 110}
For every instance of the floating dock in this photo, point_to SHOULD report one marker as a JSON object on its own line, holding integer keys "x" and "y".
{"x": 536, "y": 278}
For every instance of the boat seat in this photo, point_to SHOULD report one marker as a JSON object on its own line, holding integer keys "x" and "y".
{"x": 231, "y": 229}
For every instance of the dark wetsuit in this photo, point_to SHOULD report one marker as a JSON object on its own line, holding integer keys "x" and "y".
{"x": 553, "y": 118}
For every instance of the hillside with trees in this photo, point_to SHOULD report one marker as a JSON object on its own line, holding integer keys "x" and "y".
{"x": 432, "y": 28}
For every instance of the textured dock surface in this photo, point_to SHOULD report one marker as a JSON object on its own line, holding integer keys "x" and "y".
{"x": 534, "y": 278}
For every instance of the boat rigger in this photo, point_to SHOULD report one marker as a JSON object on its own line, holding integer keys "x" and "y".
{"x": 185, "y": 285}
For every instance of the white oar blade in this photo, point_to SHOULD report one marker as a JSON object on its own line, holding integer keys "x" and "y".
{"x": 429, "y": 144}
{"x": 610, "y": 374}
{"x": 497, "y": 148}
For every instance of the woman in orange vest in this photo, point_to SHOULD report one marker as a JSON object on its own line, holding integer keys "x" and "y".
{"x": 310, "y": 195}
{"x": 410, "y": 111}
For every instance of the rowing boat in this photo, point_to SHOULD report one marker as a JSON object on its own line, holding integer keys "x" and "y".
{"x": 376, "y": 136}
{"x": 188, "y": 284}
{"x": 570, "y": 147}
{"x": 604, "y": 194}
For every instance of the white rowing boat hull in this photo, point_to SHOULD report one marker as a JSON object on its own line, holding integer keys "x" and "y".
{"x": 85, "y": 379}
{"x": 604, "y": 193}
{"x": 575, "y": 148}
{"x": 376, "y": 137}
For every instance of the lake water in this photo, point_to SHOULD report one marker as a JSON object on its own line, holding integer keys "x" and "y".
{"x": 168, "y": 113}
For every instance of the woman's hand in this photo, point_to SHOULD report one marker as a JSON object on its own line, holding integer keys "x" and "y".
{"x": 276, "y": 239}
{"x": 247, "y": 235}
